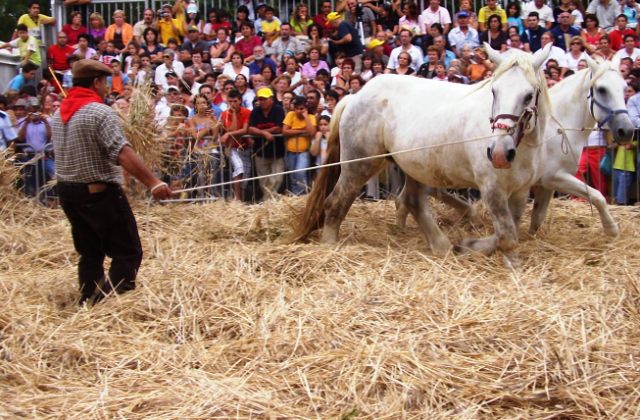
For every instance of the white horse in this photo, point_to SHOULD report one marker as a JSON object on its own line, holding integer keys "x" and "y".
{"x": 451, "y": 130}
{"x": 592, "y": 96}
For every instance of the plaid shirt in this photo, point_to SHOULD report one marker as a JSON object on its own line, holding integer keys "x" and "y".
{"x": 87, "y": 147}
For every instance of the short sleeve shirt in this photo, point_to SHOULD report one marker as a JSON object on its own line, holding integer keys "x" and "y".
{"x": 31, "y": 44}
{"x": 88, "y": 145}
{"x": 33, "y": 27}
{"x": 264, "y": 122}
{"x": 485, "y": 13}
{"x": 297, "y": 144}
{"x": 227, "y": 121}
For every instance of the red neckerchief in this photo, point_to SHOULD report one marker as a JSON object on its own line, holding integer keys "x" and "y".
{"x": 76, "y": 99}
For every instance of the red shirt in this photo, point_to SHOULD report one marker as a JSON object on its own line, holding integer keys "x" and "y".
{"x": 246, "y": 46}
{"x": 616, "y": 38}
{"x": 57, "y": 57}
{"x": 321, "y": 20}
{"x": 72, "y": 34}
{"x": 243, "y": 118}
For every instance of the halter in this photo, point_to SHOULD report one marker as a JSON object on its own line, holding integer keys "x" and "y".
{"x": 522, "y": 121}
{"x": 610, "y": 112}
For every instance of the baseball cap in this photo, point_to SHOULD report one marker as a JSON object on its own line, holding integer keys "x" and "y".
{"x": 21, "y": 102}
{"x": 463, "y": 14}
{"x": 264, "y": 92}
{"x": 171, "y": 73}
{"x": 333, "y": 16}
{"x": 192, "y": 8}
{"x": 173, "y": 88}
{"x": 375, "y": 43}
{"x": 193, "y": 28}
{"x": 33, "y": 102}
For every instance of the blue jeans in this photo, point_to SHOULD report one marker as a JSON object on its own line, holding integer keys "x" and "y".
{"x": 622, "y": 181}
{"x": 298, "y": 183}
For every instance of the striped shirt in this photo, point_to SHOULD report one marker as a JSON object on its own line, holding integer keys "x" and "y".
{"x": 87, "y": 147}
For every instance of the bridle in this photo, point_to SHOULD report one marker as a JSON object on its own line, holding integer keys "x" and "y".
{"x": 610, "y": 112}
{"x": 522, "y": 121}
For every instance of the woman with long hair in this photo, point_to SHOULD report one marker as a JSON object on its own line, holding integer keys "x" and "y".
{"x": 222, "y": 50}
{"x": 576, "y": 53}
{"x": 311, "y": 67}
{"x": 404, "y": 64}
{"x": 316, "y": 40}
{"x": 151, "y": 47}
{"x": 248, "y": 95}
{"x": 235, "y": 67}
{"x": 494, "y": 35}
{"x": 74, "y": 29}
{"x": 591, "y": 33}
{"x": 267, "y": 74}
{"x": 300, "y": 20}
{"x": 513, "y": 17}
{"x": 412, "y": 20}
{"x": 242, "y": 16}
{"x": 96, "y": 28}
{"x": 292, "y": 69}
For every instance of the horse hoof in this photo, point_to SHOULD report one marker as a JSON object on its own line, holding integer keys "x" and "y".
{"x": 612, "y": 231}
{"x": 511, "y": 261}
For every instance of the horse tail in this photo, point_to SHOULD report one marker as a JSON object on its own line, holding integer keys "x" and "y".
{"x": 312, "y": 216}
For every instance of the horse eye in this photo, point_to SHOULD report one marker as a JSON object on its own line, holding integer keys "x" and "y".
{"x": 602, "y": 91}
{"x": 528, "y": 98}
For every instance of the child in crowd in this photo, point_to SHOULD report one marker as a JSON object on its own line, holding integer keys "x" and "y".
{"x": 270, "y": 26}
{"x": 321, "y": 140}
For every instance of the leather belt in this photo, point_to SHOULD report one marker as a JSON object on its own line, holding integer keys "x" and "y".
{"x": 96, "y": 187}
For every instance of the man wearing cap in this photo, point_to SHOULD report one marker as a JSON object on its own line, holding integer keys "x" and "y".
{"x": 265, "y": 123}
{"x": 168, "y": 65}
{"x": 90, "y": 147}
{"x": 463, "y": 34}
{"x": 35, "y": 133}
{"x": 345, "y": 38}
{"x": 193, "y": 41}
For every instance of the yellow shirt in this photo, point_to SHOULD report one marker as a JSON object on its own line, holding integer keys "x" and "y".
{"x": 33, "y": 27}
{"x": 272, "y": 26}
{"x": 300, "y": 143}
{"x": 166, "y": 31}
{"x": 485, "y": 12}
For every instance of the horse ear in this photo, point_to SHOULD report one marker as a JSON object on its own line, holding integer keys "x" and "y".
{"x": 542, "y": 57}
{"x": 493, "y": 55}
{"x": 593, "y": 64}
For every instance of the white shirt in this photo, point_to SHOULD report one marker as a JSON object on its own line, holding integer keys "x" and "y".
{"x": 545, "y": 13}
{"x": 572, "y": 63}
{"x": 440, "y": 16}
{"x": 623, "y": 54}
{"x": 556, "y": 53}
{"x": 459, "y": 39}
{"x": 416, "y": 57}
{"x": 160, "y": 79}
{"x": 229, "y": 71}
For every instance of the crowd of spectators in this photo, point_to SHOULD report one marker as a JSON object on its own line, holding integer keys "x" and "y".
{"x": 257, "y": 90}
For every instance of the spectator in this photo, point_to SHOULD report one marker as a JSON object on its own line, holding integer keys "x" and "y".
{"x": 591, "y": 33}
{"x": 285, "y": 45}
{"x": 151, "y": 47}
{"x": 27, "y": 45}
{"x": 365, "y": 16}
{"x": 440, "y": 72}
{"x": 545, "y": 14}
{"x": 436, "y": 14}
{"x": 300, "y": 20}
{"x": 377, "y": 46}
{"x": 575, "y": 54}
{"x": 589, "y": 164}
{"x": 577, "y": 14}
{"x": 320, "y": 141}
{"x": 403, "y": 67}
{"x": 260, "y": 60}
{"x": 388, "y": 21}
{"x": 563, "y": 31}
{"x": 75, "y": 28}
{"x": 316, "y": 40}
{"x": 291, "y": 69}
{"x": 331, "y": 100}
{"x": 33, "y": 20}
{"x": 58, "y": 53}
{"x": 242, "y": 16}
{"x": 490, "y": 9}
{"x": 236, "y": 66}
{"x": 556, "y": 53}
{"x": 444, "y": 55}
{"x": 406, "y": 46}
{"x": 35, "y": 131}
{"x": 248, "y": 95}
{"x": 268, "y": 75}
{"x": 514, "y": 17}
{"x": 7, "y": 134}
{"x": 248, "y": 42}
{"x": 192, "y": 42}
{"x": 119, "y": 32}
{"x": 412, "y": 21}
{"x": 606, "y": 12}
{"x": 169, "y": 27}
{"x": 265, "y": 123}
{"x": 629, "y": 50}
{"x": 235, "y": 121}
{"x": 97, "y": 27}
{"x": 313, "y": 99}
{"x": 131, "y": 53}
{"x": 193, "y": 20}
{"x": 616, "y": 36}
{"x": 299, "y": 127}
{"x": 345, "y": 40}
{"x": 84, "y": 51}
{"x": 26, "y": 77}
{"x": 270, "y": 26}
{"x": 428, "y": 69}
{"x": 281, "y": 86}
{"x": 604, "y": 49}
{"x": 200, "y": 68}
{"x": 210, "y": 92}
{"x": 624, "y": 168}
{"x": 630, "y": 9}
{"x": 495, "y": 36}
{"x": 479, "y": 67}
{"x": 311, "y": 67}
{"x": 463, "y": 34}
{"x": 147, "y": 22}
{"x": 221, "y": 50}
{"x": 465, "y": 5}
{"x": 117, "y": 80}
{"x": 341, "y": 79}
{"x": 169, "y": 64}
{"x": 321, "y": 19}
{"x": 515, "y": 42}
{"x": 532, "y": 36}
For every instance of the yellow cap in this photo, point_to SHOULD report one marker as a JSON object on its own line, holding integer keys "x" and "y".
{"x": 375, "y": 43}
{"x": 264, "y": 92}
{"x": 333, "y": 16}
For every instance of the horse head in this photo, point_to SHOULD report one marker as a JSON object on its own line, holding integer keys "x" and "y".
{"x": 606, "y": 100}
{"x": 518, "y": 90}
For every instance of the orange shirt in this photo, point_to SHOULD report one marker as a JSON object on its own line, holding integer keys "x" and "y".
{"x": 242, "y": 117}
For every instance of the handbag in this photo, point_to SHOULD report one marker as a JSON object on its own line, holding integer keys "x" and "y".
{"x": 606, "y": 164}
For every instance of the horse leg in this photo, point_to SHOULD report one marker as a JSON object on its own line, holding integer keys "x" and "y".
{"x": 542, "y": 198}
{"x": 401, "y": 208}
{"x": 416, "y": 201}
{"x": 338, "y": 203}
{"x": 506, "y": 235}
{"x": 569, "y": 184}
{"x": 463, "y": 207}
{"x": 517, "y": 204}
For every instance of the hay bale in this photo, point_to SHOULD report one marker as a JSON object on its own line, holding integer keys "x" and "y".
{"x": 227, "y": 322}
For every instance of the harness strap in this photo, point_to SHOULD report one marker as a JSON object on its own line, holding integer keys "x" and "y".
{"x": 610, "y": 112}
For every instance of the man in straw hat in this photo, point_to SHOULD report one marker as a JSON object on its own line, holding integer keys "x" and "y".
{"x": 90, "y": 147}
{"x": 345, "y": 38}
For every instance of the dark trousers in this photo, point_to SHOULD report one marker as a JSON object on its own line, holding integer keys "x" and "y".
{"x": 102, "y": 224}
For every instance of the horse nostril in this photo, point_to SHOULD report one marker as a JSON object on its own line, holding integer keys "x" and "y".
{"x": 489, "y": 150}
{"x": 511, "y": 155}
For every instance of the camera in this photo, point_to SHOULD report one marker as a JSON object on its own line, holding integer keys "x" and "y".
{"x": 359, "y": 10}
